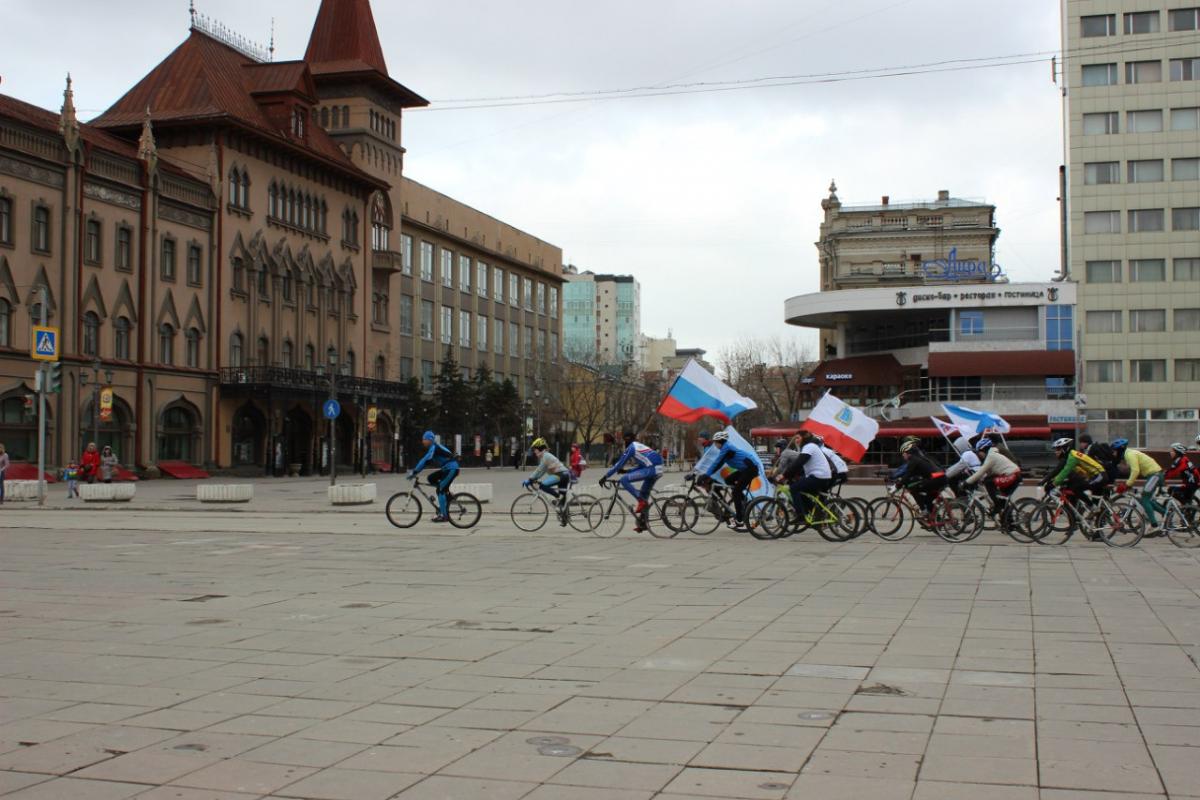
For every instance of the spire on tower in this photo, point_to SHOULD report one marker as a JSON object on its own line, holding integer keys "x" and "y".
{"x": 68, "y": 124}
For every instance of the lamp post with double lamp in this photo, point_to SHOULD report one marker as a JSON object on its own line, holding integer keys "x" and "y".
{"x": 96, "y": 385}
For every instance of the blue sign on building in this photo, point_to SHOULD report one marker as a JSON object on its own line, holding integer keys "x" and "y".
{"x": 951, "y": 269}
{"x": 333, "y": 409}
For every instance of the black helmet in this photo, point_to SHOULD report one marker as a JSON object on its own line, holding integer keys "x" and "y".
{"x": 628, "y": 436}
{"x": 781, "y": 444}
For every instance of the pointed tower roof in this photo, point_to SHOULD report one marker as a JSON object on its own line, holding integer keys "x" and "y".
{"x": 344, "y": 46}
{"x": 345, "y": 31}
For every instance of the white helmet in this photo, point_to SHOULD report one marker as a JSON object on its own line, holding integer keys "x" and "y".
{"x": 720, "y": 437}
{"x": 1063, "y": 443}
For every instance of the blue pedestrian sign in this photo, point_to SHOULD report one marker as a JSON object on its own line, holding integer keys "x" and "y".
{"x": 44, "y": 346}
{"x": 333, "y": 409}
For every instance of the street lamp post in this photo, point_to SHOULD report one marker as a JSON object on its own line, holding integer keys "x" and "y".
{"x": 95, "y": 403}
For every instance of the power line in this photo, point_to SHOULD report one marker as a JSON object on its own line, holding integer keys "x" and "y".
{"x": 703, "y": 87}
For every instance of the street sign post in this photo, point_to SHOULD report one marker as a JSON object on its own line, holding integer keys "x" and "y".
{"x": 332, "y": 409}
{"x": 44, "y": 343}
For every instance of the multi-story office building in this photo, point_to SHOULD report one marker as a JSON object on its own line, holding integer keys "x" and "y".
{"x": 602, "y": 318}
{"x": 229, "y": 251}
{"x": 1131, "y": 76}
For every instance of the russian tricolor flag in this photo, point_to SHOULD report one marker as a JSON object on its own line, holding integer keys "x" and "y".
{"x": 697, "y": 393}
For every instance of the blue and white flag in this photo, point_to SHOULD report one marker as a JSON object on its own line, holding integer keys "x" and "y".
{"x": 759, "y": 487}
{"x": 972, "y": 422}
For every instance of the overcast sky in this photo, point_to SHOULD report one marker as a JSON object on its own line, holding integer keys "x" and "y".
{"x": 711, "y": 200}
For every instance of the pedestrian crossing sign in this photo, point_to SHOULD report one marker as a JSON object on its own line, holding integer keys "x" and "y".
{"x": 44, "y": 346}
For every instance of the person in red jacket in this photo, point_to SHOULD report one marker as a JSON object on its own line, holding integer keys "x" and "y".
{"x": 576, "y": 461}
{"x": 1186, "y": 472}
{"x": 89, "y": 464}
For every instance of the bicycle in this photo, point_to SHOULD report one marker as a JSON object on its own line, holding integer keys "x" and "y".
{"x": 606, "y": 516}
{"x": 979, "y": 516}
{"x": 530, "y": 510}
{"x": 1179, "y": 522}
{"x": 699, "y": 510}
{"x": 894, "y": 515}
{"x": 1120, "y": 523}
{"x": 404, "y": 509}
{"x": 835, "y": 519}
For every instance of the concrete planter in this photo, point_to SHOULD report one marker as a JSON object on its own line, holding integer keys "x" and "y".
{"x": 225, "y": 492}
{"x": 107, "y": 492}
{"x": 482, "y": 491}
{"x": 352, "y": 494}
{"x": 22, "y": 490}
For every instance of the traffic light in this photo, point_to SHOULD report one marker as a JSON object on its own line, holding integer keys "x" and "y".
{"x": 54, "y": 376}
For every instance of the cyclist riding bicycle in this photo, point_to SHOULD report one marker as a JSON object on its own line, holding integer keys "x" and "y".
{"x": 647, "y": 467}
{"x": 1186, "y": 472}
{"x": 1000, "y": 476}
{"x": 1100, "y": 451}
{"x": 809, "y": 473}
{"x": 837, "y": 464}
{"x": 745, "y": 470}
{"x": 1079, "y": 472}
{"x": 552, "y": 476}
{"x": 1140, "y": 465}
{"x": 923, "y": 479}
{"x": 439, "y": 456}
{"x": 902, "y": 470}
{"x": 957, "y": 473}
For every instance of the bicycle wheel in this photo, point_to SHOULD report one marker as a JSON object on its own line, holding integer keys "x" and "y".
{"x": 767, "y": 517}
{"x": 529, "y": 512}
{"x": 956, "y": 521}
{"x": 850, "y": 518}
{"x": 1052, "y": 522}
{"x": 403, "y": 509}
{"x": 1178, "y": 527}
{"x": 1123, "y": 523}
{"x": 707, "y": 517}
{"x": 464, "y": 510}
{"x": 678, "y": 513}
{"x": 656, "y": 523}
{"x": 606, "y": 517}
{"x": 889, "y": 519}
{"x": 1016, "y": 522}
{"x": 827, "y": 520}
{"x": 578, "y": 509}
{"x": 863, "y": 509}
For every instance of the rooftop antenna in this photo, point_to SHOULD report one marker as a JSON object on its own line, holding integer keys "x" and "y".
{"x": 271, "y": 49}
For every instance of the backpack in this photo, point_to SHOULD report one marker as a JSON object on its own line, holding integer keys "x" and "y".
{"x": 1101, "y": 452}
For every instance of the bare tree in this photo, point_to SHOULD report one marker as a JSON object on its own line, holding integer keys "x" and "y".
{"x": 578, "y": 393}
{"x": 770, "y": 372}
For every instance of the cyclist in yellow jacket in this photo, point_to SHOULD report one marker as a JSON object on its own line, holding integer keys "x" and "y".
{"x": 1079, "y": 472}
{"x": 1140, "y": 465}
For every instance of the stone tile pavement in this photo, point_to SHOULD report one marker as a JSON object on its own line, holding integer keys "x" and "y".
{"x": 212, "y": 656}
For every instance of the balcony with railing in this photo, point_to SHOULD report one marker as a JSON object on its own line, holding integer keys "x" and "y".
{"x": 1029, "y": 337}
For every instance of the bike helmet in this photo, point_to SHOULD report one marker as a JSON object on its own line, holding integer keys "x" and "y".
{"x": 1198, "y": 438}
{"x": 720, "y": 437}
{"x": 1119, "y": 444}
{"x": 781, "y": 444}
{"x": 908, "y": 439}
{"x": 1063, "y": 444}
{"x": 704, "y": 436}
{"x": 908, "y": 447}
{"x": 539, "y": 444}
{"x": 628, "y": 436}
{"x": 984, "y": 444}
{"x": 1179, "y": 448}
{"x": 428, "y": 436}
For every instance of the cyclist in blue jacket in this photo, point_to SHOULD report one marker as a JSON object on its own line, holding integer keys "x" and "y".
{"x": 744, "y": 464}
{"x": 439, "y": 456}
{"x": 646, "y": 466}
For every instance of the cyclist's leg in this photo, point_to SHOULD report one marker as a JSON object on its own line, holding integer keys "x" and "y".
{"x": 801, "y": 489}
{"x": 443, "y": 490}
{"x": 1148, "y": 503}
{"x": 740, "y": 482}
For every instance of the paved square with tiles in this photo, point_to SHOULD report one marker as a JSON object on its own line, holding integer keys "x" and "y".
{"x": 266, "y": 653}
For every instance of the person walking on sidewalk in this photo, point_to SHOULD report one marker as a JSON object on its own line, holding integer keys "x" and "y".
{"x": 487, "y": 457}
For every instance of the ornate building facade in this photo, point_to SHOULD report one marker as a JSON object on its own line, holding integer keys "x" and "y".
{"x": 258, "y": 253}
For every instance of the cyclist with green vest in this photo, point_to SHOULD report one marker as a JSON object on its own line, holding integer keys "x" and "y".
{"x": 1079, "y": 472}
{"x": 1140, "y": 465}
